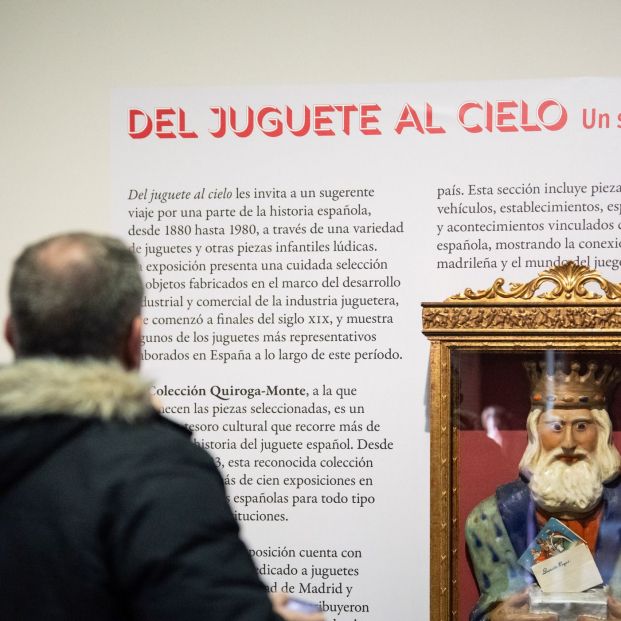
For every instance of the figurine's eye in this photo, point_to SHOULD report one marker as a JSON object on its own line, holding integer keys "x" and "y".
{"x": 581, "y": 425}
{"x": 556, "y": 425}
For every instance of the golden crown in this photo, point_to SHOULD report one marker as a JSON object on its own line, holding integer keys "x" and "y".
{"x": 557, "y": 389}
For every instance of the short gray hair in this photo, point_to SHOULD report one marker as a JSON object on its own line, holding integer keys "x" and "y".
{"x": 74, "y": 295}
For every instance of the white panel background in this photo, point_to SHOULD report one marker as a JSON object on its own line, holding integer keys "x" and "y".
{"x": 60, "y": 60}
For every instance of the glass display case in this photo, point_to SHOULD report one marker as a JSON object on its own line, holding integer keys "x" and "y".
{"x": 524, "y": 416}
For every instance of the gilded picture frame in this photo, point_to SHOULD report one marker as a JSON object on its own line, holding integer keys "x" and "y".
{"x": 569, "y": 310}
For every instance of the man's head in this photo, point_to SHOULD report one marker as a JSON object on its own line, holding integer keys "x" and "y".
{"x": 76, "y": 295}
{"x": 570, "y": 455}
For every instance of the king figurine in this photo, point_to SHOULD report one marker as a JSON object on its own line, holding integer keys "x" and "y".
{"x": 570, "y": 471}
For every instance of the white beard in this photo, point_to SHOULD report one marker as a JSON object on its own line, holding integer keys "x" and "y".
{"x": 562, "y": 488}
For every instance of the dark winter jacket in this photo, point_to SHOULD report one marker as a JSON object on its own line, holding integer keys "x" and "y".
{"x": 108, "y": 512}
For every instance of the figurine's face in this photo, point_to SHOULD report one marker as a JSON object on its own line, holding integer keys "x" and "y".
{"x": 573, "y": 458}
{"x": 572, "y": 430}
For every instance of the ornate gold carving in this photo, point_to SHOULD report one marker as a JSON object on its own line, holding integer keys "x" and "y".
{"x": 522, "y": 318}
{"x": 569, "y": 280}
{"x": 442, "y": 560}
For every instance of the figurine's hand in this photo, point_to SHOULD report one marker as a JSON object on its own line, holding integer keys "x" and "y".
{"x": 614, "y": 609}
{"x": 614, "y": 612}
{"x": 515, "y": 608}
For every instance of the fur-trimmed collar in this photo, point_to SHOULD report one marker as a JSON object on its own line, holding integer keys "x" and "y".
{"x": 41, "y": 386}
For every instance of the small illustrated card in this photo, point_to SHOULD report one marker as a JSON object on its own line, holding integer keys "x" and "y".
{"x": 552, "y": 539}
{"x": 560, "y": 560}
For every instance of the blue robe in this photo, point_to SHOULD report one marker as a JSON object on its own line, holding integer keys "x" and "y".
{"x": 500, "y": 527}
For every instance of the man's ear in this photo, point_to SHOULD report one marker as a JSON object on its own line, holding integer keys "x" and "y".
{"x": 133, "y": 345}
{"x": 9, "y": 334}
